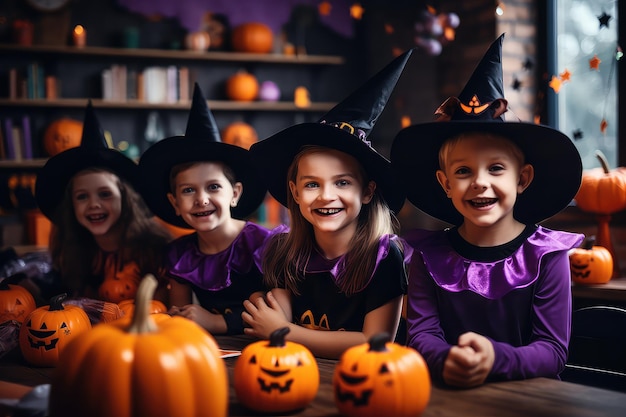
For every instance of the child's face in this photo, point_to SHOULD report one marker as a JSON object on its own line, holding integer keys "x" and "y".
{"x": 330, "y": 191}
{"x": 483, "y": 177}
{"x": 203, "y": 196}
{"x": 97, "y": 201}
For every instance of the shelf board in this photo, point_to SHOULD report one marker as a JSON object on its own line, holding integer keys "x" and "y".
{"x": 23, "y": 163}
{"x": 214, "y": 105}
{"x": 176, "y": 54}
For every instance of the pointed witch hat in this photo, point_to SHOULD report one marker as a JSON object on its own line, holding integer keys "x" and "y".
{"x": 346, "y": 128}
{"x": 201, "y": 143}
{"x": 480, "y": 108}
{"x": 93, "y": 152}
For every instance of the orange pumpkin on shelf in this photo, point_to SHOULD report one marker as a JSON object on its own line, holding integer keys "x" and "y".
{"x": 381, "y": 378}
{"x": 591, "y": 264}
{"x": 242, "y": 86}
{"x": 48, "y": 330}
{"x": 276, "y": 376}
{"x": 62, "y": 134}
{"x": 252, "y": 37}
{"x": 141, "y": 367}
{"x": 240, "y": 134}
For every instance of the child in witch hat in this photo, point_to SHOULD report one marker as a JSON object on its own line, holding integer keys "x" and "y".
{"x": 198, "y": 182}
{"x": 341, "y": 266}
{"x": 102, "y": 230}
{"x": 489, "y": 298}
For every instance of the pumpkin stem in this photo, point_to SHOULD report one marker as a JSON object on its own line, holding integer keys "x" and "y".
{"x": 142, "y": 322}
{"x": 56, "y": 302}
{"x": 379, "y": 341}
{"x": 277, "y": 338}
{"x": 591, "y": 240}
{"x": 603, "y": 161}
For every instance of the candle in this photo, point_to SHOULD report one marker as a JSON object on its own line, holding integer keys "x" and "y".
{"x": 79, "y": 36}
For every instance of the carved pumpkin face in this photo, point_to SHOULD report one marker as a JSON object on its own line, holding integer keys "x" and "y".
{"x": 592, "y": 265}
{"x": 16, "y": 302}
{"x": 381, "y": 378}
{"x": 47, "y": 330}
{"x": 61, "y": 135}
{"x": 276, "y": 376}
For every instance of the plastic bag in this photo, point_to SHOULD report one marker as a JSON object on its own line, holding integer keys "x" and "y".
{"x": 98, "y": 311}
{"x": 9, "y": 336}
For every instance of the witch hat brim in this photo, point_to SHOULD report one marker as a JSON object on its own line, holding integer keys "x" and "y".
{"x": 93, "y": 152}
{"x": 201, "y": 143}
{"x": 556, "y": 161}
{"x": 345, "y": 128}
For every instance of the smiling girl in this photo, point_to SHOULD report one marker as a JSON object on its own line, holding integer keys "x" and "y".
{"x": 337, "y": 276}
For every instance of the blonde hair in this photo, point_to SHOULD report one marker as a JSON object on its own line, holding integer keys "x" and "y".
{"x": 286, "y": 256}
{"x": 448, "y": 146}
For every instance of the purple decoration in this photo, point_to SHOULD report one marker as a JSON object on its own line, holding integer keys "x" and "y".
{"x": 269, "y": 91}
{"x": 273, "y": 13}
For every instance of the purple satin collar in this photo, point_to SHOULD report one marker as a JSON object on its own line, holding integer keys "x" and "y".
{"x": 213, "y": 272}
{"x": 492, "y": 280}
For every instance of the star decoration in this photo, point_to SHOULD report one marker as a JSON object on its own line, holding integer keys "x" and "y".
{"x": 324, "y": 8}
{"x": 565, "y": 75}
{"x": 516, "y": 85}
{"x": 528, "y": 64}
{"x": 578, "y": 134}
{"x": 555, "y": 84}
{"x": 603, "y": 125}
{"x": 356, "y": 11}
{"x": 604, "y": 19}
{"x": 594, "y": 63}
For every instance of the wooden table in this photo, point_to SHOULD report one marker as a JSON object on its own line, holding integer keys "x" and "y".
{"x": 611, "y": 293}
{"x": 535, "y": 397}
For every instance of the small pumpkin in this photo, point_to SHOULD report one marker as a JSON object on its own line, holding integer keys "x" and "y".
{"x": 242, "y": 86}
{"x": 62, "y": 134}
{"x": 141, "y": 367}
{"x": 252, "y": 37}
{"x": 16, "y": 302}
{"x": 602, "y": 190}
{"x": 591, "y": 264}
{"x": 47, "y": 330}
{"x": 381, "y": 378}
{"x": 197, "y": 41}
{"x": 240, "y": 134}
{"x": 128, "y": 306}
{"x": 276, "y": 376}
{"x": 115, "y": 289}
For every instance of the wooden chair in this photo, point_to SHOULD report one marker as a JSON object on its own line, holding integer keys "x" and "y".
{"x": 597, "y": 350}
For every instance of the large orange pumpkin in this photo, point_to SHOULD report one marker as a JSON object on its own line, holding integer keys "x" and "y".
{"x": 242, "y": 86}
{"x": 276, "y": 376}
{"x": 381, "y": 378}
{"x": 602, "y": 190}
{"x": 591, "y": 264}
{"x": 240, "y": 134}
{"x": 62, "y": 134}
{"x": 141, "y": 368}
{"x": 47, "y": 330}
{"x": 252, "y": 37}
{"x": 16, "y": 302}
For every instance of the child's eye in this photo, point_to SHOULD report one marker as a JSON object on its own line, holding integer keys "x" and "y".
{"x": 462, "y": 171}
{"x": 496, "y": 168}
{"x": 186, "y": 190}
{"x": 80, "y": 197}
{"x": 343, "y": 183}
{"x": 311, "y": 185}
{"x": 214, "y": 187}
{"x": 105, "y": 194}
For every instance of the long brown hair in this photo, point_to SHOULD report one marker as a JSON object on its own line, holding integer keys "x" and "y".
{"x": 286, "y": 255}
{"x": 76, "y": 255}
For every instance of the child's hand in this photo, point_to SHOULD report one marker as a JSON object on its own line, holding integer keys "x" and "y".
{"x": 468, "y": 364}
{"x": 263, "y": 315}
{"x": 213, "y": 323}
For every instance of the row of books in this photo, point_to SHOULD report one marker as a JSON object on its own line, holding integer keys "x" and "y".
{"x": 32, "y": 83}
{"x": 154, "y": 84}
{"x": 15, "y": 139}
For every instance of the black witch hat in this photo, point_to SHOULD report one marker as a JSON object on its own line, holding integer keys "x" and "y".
{"x": 93, "y": 152}
{"x": 201, "y": 143}
{"x": 480, "y": 108}
{"x": 346, "y": 128}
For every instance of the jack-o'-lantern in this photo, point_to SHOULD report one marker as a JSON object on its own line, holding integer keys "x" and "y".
{"x": 276, "y": 376}
{"x": 47, "y": 330}
{"x": 16, "y": 302}
{"x": 62, "y": 134}
{"x": 381, "y": 378}
{"x": 252, "y": 37}
{"x": 117, "y": 289}
{"x": 141, "y": 367}
{"x": 591, "y": 264}
{"x": 128, "y": 306}
{"x": 242, "y": 86}
{"x": 240, "y": 134}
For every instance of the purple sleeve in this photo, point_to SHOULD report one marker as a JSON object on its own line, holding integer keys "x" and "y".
{"x": 424, "y": 331}
{"x": 546, "y": 354}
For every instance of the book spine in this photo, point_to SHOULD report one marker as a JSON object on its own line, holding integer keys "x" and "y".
{"x": 27, "y": 148}
{"x": 8, "y": 134}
